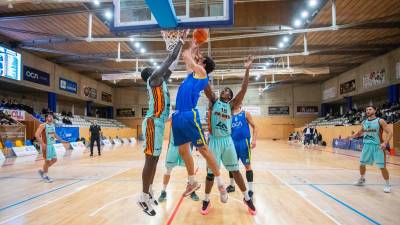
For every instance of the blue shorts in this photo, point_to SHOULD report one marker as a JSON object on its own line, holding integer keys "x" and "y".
{"x": 243, "y": 150}
{"x": 153, "y": 135}
{"x": 372, "y": 153}
{"x": 186, "y": 127}
{"x": 49, "y": 152}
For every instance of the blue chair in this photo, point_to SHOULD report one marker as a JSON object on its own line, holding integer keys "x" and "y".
{"x": 8, "y": 144}
{"x": 28, "y": 143}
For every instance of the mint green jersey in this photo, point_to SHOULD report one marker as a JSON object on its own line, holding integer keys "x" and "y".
{"x": 159, "y": 101}
{"x": 50, "y": 131}
{"x": 372, "y": 131}
{"x": 221, "y": 119}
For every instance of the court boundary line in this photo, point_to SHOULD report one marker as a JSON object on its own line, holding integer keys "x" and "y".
{"x": 62, "y": 197}
{"x": 331, "y": 196}
{"x": 305, "y": 198}
{"x": 38, "y": 195}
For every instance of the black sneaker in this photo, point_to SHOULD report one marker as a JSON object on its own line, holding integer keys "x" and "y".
{"x": 251, "y": 207}
{"x": 251, "y": 193}
{"x": 205, "y": 208}
{"x": 230, "y": 188}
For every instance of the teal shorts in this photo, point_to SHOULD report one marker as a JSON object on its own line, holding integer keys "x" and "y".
{"x": 224, "y": 151}
{"x": 173, "y": 158}
{"x": 153, "y": 135}
{"x": 372, "y": 153}
{"x": 49, "y": 153}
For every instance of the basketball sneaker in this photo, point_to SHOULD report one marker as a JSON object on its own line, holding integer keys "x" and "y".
{"x": 194, "y": 196}
{"x": 250, "y": 207}
{"x": 144, "y": 203}
{"x": 387, "y": 188}
{"x": 163, "y": 196}
{"x": 223, "y": 195}
{"x": 47, "y": 179}
{"x": 230, "y": 189}
{"x": 360, "y": 182}
{"x": 205, "y": 209}
{"x": 152, "y": 200}
{"x": 190, "y": 188}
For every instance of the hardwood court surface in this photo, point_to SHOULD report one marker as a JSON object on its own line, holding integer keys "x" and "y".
{"x": 292, "y": 186}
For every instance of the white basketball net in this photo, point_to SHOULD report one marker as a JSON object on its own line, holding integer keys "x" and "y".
{"x": 173, "y": 37}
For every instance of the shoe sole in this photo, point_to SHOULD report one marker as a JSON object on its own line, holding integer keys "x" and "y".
{"x": 207, "y": 211}
{"x": 144, "y": 210}
{"x": 191, "y": 191}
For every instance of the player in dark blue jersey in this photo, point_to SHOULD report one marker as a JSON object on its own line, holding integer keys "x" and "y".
{"x": 244, "y": 143}
{"x": 186, "y": 126}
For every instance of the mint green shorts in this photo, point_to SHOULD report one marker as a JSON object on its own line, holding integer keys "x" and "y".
{"x": 372, "y": 153}
{"x": 173, "y": 158}
{"x": 49, "y": 153}
{"x": 224, "y": 151}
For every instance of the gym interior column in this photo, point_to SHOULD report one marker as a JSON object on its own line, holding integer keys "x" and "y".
{"x": 52, "y": 101}
{"x": 349, "y": 103}
{"x": 393, "y": 94}
{"x": 110, "y": 112}
{"x": 89, "y": 106}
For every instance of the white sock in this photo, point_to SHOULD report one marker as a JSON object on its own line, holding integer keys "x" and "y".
{"x": 191, "y": 179}
{"x": 219, "y": 181}
{"x": 151, "y": 188}
{"x": 207, "y": 197}
{"x": 44, "y": 174}
{"x": 164, "y": 187}
{"x": 246, "y": 195}
{"x": 387, "y": 182}
{"x": 362, "y": 176}
{"x": 232, "y": 181}
{"x": 250, "y": 185}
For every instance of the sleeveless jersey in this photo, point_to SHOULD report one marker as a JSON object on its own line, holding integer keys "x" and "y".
{"x": 221, "y": 119}
{"x": 49, "y": 134}
{"x": 159, "y": 101}
{"x": 240, "y": 126}
{"x": 372, "y": 131}
{"x": 189, "y": 92}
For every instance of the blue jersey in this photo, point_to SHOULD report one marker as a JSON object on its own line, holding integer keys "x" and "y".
{"x": 159, "y": 101}
{"x": 240, "y": 126}
{"x": 221, "y": 119}
{"x": 189, "y": 92}
{"x": 372, "y": 131}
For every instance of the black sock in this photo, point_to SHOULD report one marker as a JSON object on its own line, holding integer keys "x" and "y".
{"x": 249, "y": 175}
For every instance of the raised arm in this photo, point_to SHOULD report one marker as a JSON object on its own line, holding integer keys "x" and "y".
{"x": 191, "y": 64}
{"x": 253, "y": 125}
{"x": 388, "y": 132}
{"x": 210, "y": 94}
{"x": 237, "y": 100}
{"x": 164, "y": 72}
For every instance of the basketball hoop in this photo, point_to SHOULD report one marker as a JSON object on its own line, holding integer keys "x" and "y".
{"x": 173, "y": 37}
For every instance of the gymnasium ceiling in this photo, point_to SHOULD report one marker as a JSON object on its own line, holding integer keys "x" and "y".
{"x": 56, "y": 30}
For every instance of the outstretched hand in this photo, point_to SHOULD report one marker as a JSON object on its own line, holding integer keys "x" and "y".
{"x": 248, "y": 62}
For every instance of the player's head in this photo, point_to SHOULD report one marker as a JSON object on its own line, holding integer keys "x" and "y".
{"x": 49, "y": 117}
{"x": 370, "y": 110}
{"x": 208, "y": 64}
{"x": 226, "y": 95}
{"x": 146, "y": 73}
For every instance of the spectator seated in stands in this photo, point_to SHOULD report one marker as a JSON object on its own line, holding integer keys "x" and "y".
{"x": 6, "y": 119}
{"x": 67, "y": 121}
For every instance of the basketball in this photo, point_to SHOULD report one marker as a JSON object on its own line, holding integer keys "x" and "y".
{"x": 200, "y": 35}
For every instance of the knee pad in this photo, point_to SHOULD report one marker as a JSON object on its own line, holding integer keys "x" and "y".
{"x": 210, "y": 177}
{"x": 249, "y": 176}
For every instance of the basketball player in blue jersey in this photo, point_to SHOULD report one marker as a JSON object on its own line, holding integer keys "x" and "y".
{"x": 374, "y": 146}
{"x": 221, "y": 143}
{"x": 154, "y": 123}
{"x": 241, "y": 137}
{"x": 186, "y": 126}
{"x": 46, "y": 136}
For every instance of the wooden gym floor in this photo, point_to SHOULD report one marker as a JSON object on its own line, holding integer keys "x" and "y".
{"x": 292, "y": 186}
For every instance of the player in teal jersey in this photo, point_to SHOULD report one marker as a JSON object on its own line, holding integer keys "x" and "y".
{"x": 221, "y": 143}
{"x": 46, "y": 136}
{"x": 154, "y": 123}
{"x": 374, "y": 146}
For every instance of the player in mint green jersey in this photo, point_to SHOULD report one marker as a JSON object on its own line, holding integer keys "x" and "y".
{"x": 374, "y": 146}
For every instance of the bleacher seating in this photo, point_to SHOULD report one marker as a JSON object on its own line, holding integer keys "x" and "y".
{"x": 85, "y": 121}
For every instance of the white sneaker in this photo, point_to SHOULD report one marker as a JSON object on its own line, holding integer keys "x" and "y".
{"x": 360, "y": 182}
{"x": 387, "y": 188}
{"x": 152, "y": 199}
{"x": 223, "y": 195}
{"x": 144, "y": 203}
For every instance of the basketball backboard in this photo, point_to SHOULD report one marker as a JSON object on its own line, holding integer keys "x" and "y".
{"x": 135, "y": 15}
